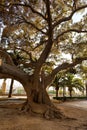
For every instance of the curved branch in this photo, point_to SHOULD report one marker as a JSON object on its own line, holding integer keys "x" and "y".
{"x": 6, "y": 56}
{"x": 5, "y": 76}
{"x": 21, "y": 49}
{"x": 28, "y": 53}
{"x": 70, "y": 30}
{"x": 31, "y": 64}
{"x": 61, "y": 67}
{"x": 34, "y": 26}
{"x": 25, "y": 5}
{"x": 69, "y": 17}
{"x": 34, "y": 11}
{"x": 13, "y": 72}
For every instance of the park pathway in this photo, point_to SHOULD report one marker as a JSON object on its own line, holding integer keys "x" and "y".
{"x": 76, "y": 104}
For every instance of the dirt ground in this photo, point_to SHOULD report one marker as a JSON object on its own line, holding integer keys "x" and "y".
{"x": 12, "y": 119}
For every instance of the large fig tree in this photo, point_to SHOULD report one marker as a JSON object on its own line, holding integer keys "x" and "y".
{"x": 33, "y": 35}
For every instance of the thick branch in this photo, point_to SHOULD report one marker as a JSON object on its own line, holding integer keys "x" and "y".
{"x": 13, "y": 71}
{"x": 69, "y": 17}
{"x": 61, "y": 67}
{"x": 48, "y": 47}
{"x": 4, "y": 76}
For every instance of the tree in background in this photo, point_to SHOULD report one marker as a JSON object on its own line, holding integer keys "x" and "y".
{"x": 83, "y": 73}
{"x": 35, "y": 35}
{"x": 56, "y": 84}
{"x": 4, "y": 86}
{"x": 67, "y": 80}
{"x": 71, "y": 82}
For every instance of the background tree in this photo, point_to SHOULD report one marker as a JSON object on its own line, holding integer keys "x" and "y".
{"x": 34, "y": 34}
{"x": 11, "y": 88}
{"x": 71, "y": 82}
{"x": 56, "y": 83}
{"x": 82, "y": 70}
{"x": 68, "y": 80}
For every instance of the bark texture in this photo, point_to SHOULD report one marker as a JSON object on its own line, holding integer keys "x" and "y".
{"x": 40, "y": 104}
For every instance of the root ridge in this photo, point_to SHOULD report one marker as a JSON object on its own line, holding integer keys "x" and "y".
{"x": 48, "y": 112}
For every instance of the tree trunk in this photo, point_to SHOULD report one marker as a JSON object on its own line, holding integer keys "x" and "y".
{"x": 11, "y": 87}
{"x": 64, "y": 91}
{"x": 57, "y": 90}
{"x": 4, "y": 86}
{"x": 70, "y": 93}
{"x": 38, "y": 102}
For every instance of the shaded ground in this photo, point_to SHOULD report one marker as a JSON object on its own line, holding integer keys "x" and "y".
{"x": 12, "y": 119}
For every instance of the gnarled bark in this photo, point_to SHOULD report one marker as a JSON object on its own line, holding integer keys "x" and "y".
{"x": 39, "y": 103}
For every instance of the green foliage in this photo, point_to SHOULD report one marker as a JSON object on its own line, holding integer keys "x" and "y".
{"x": 28, "y": 25}
{"x": 20, "y": 91}
{"x": 68, "y": 80}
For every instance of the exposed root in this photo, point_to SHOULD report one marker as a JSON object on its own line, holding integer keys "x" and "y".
{"x": 53, "y": 112}
{"x": 48, "y": 112}
{"x": 25, "y": 107}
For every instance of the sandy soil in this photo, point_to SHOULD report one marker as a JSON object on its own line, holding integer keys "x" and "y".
{"x": 12, "y": 119}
